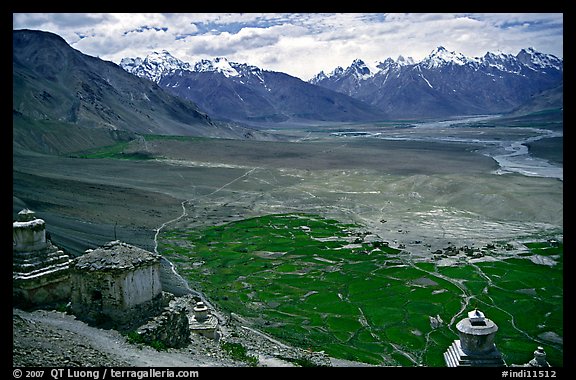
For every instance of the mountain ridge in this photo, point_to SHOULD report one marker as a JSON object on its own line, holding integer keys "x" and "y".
{"x": 446, "y": 83}
{"x": 443, "y": 84}
{"x": 441, "y": 56}
{"x": 55, "y": 85}
{"x": 53, "y": 80}
{"x": 246, "y": 93}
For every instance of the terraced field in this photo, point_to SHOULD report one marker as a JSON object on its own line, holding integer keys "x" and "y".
{"x": 330, "y": 286}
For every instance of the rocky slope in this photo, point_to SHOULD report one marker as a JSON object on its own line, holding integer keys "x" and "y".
{"x": 50, "y": 338}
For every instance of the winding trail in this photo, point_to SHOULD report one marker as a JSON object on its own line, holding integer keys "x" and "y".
{"x": 183, "y": 204}
{"x": 182, "y": 281}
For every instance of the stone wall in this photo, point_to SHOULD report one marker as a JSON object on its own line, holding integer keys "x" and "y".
{"x": 124, "y": 299}
{"x": 29, "y": 295}
{"x": 139, "y": 286}
{"x": 171, "y": 328}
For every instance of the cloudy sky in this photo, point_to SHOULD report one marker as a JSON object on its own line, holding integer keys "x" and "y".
{"x": 299, "y": 44}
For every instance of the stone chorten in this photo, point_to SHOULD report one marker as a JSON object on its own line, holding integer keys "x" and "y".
{"x": 476, "y": 347}
{"x": 40, "y": 271}
{"x": 203, "y": 322}
{"x": 539, "y": 359}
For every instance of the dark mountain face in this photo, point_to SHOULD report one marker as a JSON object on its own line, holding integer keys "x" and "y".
{"x": 246, "y": 93}
{"x": 52, "y": 81}
{"x": 218, "y": 95}
{"x": 269, "y": 97}
{"x": 548, "y": 101}
{"x": 449, "y": 84}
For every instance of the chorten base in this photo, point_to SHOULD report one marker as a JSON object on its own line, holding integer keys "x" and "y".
{"x": 456, "y": 357}
{"x": 40, "y": 277}
{"x": 207, "y": 327}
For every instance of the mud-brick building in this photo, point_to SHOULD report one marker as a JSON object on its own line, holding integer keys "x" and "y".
{"x": 117, "y": 283}
{"x": 40, "y": 271}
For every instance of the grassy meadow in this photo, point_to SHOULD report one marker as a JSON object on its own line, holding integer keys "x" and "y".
{"x": 327, "y": 286}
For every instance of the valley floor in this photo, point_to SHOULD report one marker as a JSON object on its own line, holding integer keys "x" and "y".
{"x": 402, "y": 191}
{"x": 415, "y": 194}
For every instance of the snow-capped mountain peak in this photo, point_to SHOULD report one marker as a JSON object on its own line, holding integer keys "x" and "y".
{"x": 318, "y": 77}
{"x": 359, "y": 69}
{"x": 495, "y": 57}
{"x": 154, "y": 66}
{"x": 164, "y": 57}
{"x": 157, "y": 65}
{"x": 440, "y": 57}
{"x": 338, "y": 71}
{"x": 537, "y": 60}
{"x": 501, "y": 61}
{"x": 218, "y": 64}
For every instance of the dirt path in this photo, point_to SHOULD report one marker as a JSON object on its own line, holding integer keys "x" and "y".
{"x": 58, "y": 338}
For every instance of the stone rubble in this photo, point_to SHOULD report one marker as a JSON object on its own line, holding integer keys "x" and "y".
{"x": 41, "y": 342}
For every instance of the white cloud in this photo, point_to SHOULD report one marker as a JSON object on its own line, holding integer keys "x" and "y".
{"x": 300, "y": 44}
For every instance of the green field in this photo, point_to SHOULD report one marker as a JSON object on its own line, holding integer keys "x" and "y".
{"x": 326, "y": 286}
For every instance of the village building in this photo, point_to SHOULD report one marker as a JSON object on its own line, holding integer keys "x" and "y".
{"x": 117, "y": 283}
{"x": 40, "y": 271}
{"x": 476, "y": 347}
